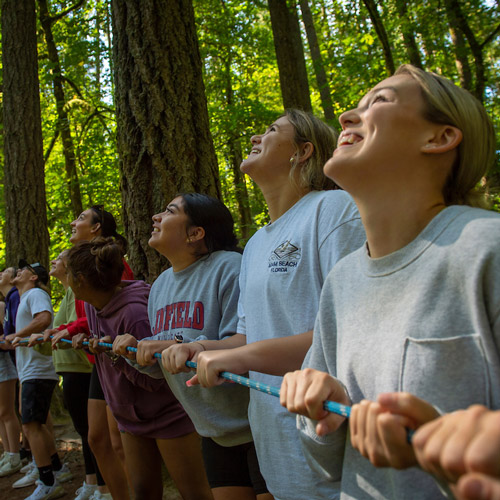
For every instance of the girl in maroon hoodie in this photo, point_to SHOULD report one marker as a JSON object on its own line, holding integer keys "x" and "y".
{"x": 152, "y": 422}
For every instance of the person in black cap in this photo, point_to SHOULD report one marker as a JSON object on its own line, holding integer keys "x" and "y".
{"x": 38, "y": 270}
{"x": 37, "y": 376}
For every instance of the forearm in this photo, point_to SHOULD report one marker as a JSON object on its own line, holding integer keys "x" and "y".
{"x": 236, "y": 340}
{"x": 37, "y": 325}
{"x": 275, "y": 356}
{"x": 281, "y": 355}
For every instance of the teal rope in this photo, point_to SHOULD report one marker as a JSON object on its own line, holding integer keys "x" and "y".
{"x": 331, "y": 406}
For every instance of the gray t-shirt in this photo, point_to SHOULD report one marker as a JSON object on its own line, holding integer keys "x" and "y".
{"x": 31, "y": 364}
{"x": 200, "y": 302}
{"x": 424, "y": 319}
{"x": 283, "y": 269}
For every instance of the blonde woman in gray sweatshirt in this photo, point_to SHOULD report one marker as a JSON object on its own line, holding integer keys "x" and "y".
{"x": 408, "y": 325}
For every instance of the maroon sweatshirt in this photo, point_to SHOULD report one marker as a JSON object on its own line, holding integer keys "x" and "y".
{"x": 142, "y": 405}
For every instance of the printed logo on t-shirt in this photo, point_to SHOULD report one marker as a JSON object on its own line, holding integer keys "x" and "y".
{"x": 284, "y": 258}
{"x": 178, "y": 315}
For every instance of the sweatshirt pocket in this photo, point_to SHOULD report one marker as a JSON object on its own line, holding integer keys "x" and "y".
{"x": 450, "y": 373}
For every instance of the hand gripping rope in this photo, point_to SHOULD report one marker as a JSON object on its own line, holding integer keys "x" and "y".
{"x": 331, "y": 406}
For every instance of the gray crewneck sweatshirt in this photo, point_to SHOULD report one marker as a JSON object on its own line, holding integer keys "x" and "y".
{"x": 283, "y": 269}
{"x": 424, "y": 319}
{"x": 200, "y": 302}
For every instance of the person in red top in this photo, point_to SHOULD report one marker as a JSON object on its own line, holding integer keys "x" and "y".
{"x": 105, "y": 443}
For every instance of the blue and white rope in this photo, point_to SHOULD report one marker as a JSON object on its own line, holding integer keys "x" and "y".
{"x": 331, "y": 406}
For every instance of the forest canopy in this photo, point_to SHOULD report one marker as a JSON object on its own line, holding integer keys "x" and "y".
{"x": 345, "y": 47}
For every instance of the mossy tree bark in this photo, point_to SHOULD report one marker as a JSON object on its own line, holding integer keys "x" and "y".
{"x": 290, "y": 54}
{"x": 163, "y": 135}
{"x": 26, "y": 233}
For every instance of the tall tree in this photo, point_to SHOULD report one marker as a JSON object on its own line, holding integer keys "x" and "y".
{"x": 408, "y": 34}
{"x": 26, "y": 219}
{"x": 458, "y": 21}
{"x": 317, "y": 59}
{"x": 163, "y": 134}
{"x": 63, "y": 128}
{"x": 378, "y": 24}
{"x": 290, "y": 54}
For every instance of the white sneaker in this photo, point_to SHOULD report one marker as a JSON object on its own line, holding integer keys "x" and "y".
{"x": 101, "y": 496}
{"x": 86, "y": 491}
{"x": 3, "y": 458}
{"x": 63, "y": 474}
{"x": 44, "y": 492}
{"x": 27, "y": 468}
{"x": 9, "y": 467}
{"x": 28, "y": 479}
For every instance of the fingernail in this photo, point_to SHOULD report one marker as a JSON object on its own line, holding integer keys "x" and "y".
{"x": 189, "y": 383}
{"x": 474, "y": 489}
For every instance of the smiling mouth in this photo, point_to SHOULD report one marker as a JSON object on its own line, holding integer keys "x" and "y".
{"x": 348, "y": 139}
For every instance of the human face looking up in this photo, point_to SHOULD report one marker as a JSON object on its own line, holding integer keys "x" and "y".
{"x": 271, "y": 151}
{"x": 6, "y": 276}
{"x": 383, "y": 139}
{"x": 83, "y": 229}
{"x": 173, "y": 236}
{"x": 58, "y": 267}
{"x": 23, "y": 276}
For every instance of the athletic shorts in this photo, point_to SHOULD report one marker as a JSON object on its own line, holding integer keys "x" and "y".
{"x": 36, "y": 396}
{"x": 95, "y": 389}
{"x": 232, "y": 466}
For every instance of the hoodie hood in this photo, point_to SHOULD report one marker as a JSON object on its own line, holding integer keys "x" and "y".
{"x": 132, "y": 292}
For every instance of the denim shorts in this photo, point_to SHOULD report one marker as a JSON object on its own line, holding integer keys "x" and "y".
{"x": 7, "y": 368}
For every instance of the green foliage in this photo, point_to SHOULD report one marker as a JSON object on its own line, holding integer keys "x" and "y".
{"x": 242, "y": 85}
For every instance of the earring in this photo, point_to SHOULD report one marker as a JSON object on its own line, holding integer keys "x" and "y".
{"x": 292, "y": 159}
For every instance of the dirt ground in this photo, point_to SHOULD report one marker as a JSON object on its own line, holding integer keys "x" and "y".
{"x": 69, "y": 448}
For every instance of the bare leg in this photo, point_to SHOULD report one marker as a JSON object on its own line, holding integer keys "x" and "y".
{"x": 41, "y": 442}
{"x": 8, "y": 417}
{"x": 100, "y": 443}
{"x": 231, "y": 492}
{"x": 144, "y": 459}
{"x": 182, "y": 457}
{"x": 116, "y": 442}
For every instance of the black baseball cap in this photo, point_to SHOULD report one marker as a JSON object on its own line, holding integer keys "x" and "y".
{"x": 38, "y": 269}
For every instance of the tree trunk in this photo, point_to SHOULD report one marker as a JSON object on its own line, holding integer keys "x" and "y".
{"x": 163, "y": 136}
{"x": 408, "y": 35}
{"x": 25, "y": 212}
{"x": 461, "y": 57}
{"x": 319, "y": 69}
{"x": 63, "y": 121}
{"x": 290, "y": 54}
{"x": 381, "y": 33}
{"x": 235, "y": 159}
{"x": 458, "y": 23}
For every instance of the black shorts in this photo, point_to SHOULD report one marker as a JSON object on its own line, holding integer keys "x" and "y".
{"x": 232, "y": 466}
{"x": 95, "y": 389}
{"x": 36, "y": 396}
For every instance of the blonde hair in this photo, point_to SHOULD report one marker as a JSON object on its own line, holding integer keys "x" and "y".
{"x": 451, "y": 105}
{"x": 308, "y": 128}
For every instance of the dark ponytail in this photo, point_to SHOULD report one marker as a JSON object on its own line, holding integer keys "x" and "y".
{"x": 215, "y": 218}
{"x": 108, "y": 225}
